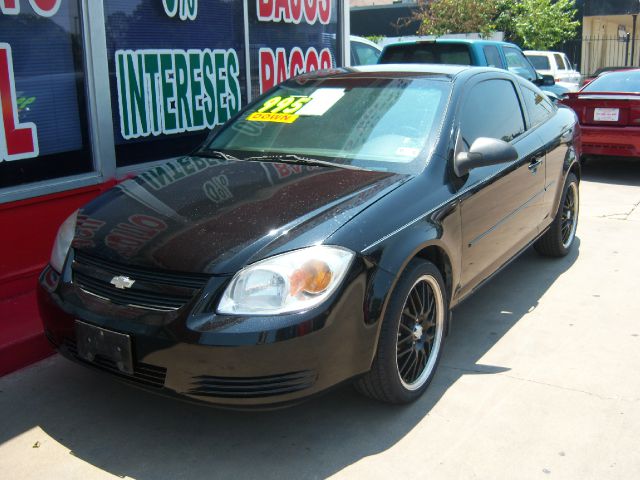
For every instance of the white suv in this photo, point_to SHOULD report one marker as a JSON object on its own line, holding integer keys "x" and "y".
{"x": 557, "y": 65}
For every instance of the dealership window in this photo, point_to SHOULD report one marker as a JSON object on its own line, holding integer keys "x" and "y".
{"x": 43, "y": 120}
{"x": 176, "y": 70}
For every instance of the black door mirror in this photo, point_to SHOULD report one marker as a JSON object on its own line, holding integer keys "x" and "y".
{"x": 484, "y": 152}
{"x": 545, "y": 81}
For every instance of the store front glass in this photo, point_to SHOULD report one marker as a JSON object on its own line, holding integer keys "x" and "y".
{"x": 44, "y": 116}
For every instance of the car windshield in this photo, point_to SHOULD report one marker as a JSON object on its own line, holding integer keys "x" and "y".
{"x": 625, "y": 81}
{"x": 540, "y": 62}
{"x": 383, "y": 124}
{"x": 441, "y": 53}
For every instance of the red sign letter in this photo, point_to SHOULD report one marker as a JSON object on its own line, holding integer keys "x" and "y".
{"x": 9, "y": 7}
{"x": 18, "y": 141}
{"x": 267, "y": 69}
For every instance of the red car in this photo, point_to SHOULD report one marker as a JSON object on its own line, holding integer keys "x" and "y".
{"x": 609, "y": 112}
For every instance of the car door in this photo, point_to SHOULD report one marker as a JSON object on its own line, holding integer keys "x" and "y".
{"x": 503, "y": 205}
{"x": 555, "y": 136}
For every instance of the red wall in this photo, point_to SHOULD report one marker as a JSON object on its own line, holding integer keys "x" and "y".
{"x": 27, "y": 230}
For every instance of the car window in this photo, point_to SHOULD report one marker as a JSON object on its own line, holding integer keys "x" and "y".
{"x": 560, "y": 61}
{"x": 540, "y": 62}
{"x": 374, "y": 123}
{"x": 518, "y": 63}
{"x": 491, "y": 109}
{"x": 539, "y": 107}
{"x": 624, "y": 81}
{"x": 445, "y": 53}
{"x": 492, "y": 55}
{"x": 365, "y": 54}
{"x": 567, "y": 62}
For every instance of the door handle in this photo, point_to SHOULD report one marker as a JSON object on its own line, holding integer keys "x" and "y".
{"x": 535, "y": 163}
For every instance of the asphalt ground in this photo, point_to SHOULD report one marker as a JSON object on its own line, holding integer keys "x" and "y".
{"x": 540, "y": 379}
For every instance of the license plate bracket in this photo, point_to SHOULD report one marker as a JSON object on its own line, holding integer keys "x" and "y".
{"x": 606, "y": 114}
{"x": 93, "y": 342}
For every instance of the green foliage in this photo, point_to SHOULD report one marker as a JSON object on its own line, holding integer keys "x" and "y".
{"x": 535, "y": 24}
{"x": 538, "y": 24}
{"x": 374, "y": 38}
{"x": 458, "y": 16}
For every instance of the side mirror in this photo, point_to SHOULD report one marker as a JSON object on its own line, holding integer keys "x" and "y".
{"x": 545, "y": 81}
{"x": 484, "y": 152}
{"x": 548, "y": 81}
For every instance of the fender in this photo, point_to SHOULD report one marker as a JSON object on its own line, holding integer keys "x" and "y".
{"x": 436, "y": 236}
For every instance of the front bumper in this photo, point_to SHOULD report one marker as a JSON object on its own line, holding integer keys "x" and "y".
{"x": 611, "y": 141}
{"x": 246, "y": 362}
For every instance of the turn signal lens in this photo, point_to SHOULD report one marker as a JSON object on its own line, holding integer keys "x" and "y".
{"x": 314, "y": 277}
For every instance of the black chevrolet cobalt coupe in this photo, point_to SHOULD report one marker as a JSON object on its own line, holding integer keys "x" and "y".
{"x": 320, "y": 236}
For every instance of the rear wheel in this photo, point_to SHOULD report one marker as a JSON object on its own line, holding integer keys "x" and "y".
{"x": 411, "y": 337}
{"x": 557, "y": 241}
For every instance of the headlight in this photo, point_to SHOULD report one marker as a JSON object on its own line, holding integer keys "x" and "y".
{"x": 63, "y": 242}
{"x": 290, "y": 282}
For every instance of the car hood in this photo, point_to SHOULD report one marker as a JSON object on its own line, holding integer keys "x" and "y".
{"x": 207, "y": 215}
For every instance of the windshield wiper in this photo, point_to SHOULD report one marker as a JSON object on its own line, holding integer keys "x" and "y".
{"x": 301, "y": 160}
{"x": 215, "y": 154}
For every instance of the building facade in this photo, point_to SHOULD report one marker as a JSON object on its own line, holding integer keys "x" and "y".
{"x": 610, "y": 34}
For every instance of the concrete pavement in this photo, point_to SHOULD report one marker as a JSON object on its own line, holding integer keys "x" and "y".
{"x": 540, "y": 379}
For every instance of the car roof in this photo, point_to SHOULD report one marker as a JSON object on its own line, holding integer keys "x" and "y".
{"x": 419, "y": 68}
{"x": 468, "y": 41}
{"x": 542, "y": 52}
{"x": 406, "y": 70}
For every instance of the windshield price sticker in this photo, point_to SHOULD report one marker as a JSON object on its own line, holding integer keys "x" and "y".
{"x": 272, "y": 117}
{"x": 279, "y": 109}
{"x": 287, "y": 109}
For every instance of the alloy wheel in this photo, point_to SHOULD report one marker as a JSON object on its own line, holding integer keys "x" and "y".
{"x": 569, "y": 219}
{"x": 420, "y": 333}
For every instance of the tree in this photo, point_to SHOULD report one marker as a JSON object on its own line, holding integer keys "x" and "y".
{"x": 535, "y": 24}
{"x": 440, "y": 17}
{"x": 538, "y": 24}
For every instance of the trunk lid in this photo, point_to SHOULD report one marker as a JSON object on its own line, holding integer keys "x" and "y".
{"x": 612, "y": 109}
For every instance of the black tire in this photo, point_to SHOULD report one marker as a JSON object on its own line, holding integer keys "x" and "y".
{"x": 390, "y": 378}
{"x": 559, "y": 239}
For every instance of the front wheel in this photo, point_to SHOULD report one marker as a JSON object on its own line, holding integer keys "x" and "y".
{"x": 411, "y": 337}
{"x": 557, "y": 241}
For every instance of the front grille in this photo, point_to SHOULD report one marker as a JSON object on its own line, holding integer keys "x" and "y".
{"x": 143, "y": 373}
{"x": 152, "y": 289}
{"x": 252, "y": 387}
{"x": 165, "y": 277}
{"x": 131, "y": 297}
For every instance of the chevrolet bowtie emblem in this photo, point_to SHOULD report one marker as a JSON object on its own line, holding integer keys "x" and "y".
{"x": 122, "y": 282}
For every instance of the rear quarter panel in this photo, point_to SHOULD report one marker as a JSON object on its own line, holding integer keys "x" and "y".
{"x": 561, "y": 139}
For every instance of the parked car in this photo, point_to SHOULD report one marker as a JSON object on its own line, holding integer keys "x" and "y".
{"x": 557, "y": 65}
{"x": 608, "y": 109}
{"x": 363, "y": 51}
{"x": 457, "y": 51}
{"x": 322, "y": 235}
{"x": 602, "y": 71}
